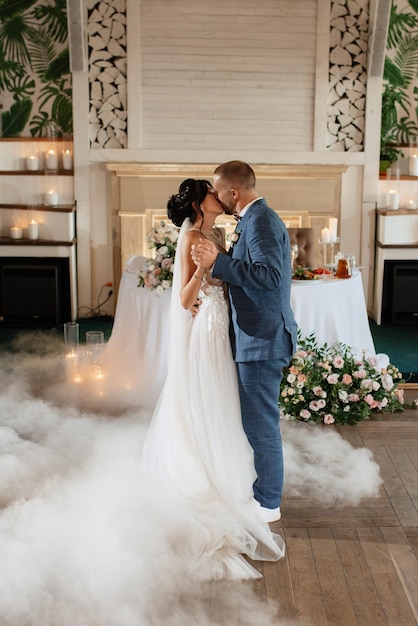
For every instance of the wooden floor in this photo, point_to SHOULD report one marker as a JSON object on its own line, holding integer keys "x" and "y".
{"x": 354, "y": 565}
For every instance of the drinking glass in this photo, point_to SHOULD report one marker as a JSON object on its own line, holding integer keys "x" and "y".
{"x": 293, "y": 253}
{"x": 94, "y": 343}
{"x": 71, "y": 336}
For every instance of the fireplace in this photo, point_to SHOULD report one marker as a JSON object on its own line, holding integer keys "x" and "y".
{"x": 303, "y": 196}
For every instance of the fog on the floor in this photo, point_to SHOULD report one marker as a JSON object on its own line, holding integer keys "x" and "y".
{"x": 83, "y": 543}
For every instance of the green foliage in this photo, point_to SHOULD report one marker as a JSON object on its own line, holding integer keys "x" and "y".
{"x": 399, "y": 75}
{"x": 32, "y": 35}
{"x": 16, "y": 118}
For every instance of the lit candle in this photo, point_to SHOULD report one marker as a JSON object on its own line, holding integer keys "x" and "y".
{"x": 32, "y": 163}
{"x": 67, "y": 159}
{"x": 393, "y": 200}
{"x": 325, "y": 235}
{"x": 33, "y": 230}
{"x": 333, "y": 225}
{"x": 16, "y": 232}
{"x": 413, "y": 165}
{"x": 411, "y": 204}
{"x": 51, "y": 159}
{"x": 51, "y": 198}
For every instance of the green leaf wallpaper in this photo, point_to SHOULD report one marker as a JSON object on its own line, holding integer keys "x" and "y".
{"x": 399, "y": 97}
{"x": 35, "y": 78}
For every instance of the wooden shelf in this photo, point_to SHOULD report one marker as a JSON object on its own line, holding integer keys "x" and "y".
{"x": 397, "y": 212}
{"x": 58, "y": 208}
{"x": 36, "y": 139}
{"x": 59, "y": 172}
{"x": 8, "y": 241}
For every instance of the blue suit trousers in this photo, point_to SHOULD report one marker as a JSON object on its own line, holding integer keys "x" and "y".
{"x": 259, "y": 388}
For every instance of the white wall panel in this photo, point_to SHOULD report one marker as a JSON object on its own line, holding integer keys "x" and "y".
{"x": 216, "y": 74}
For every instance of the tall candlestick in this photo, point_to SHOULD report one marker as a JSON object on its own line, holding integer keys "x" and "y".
{"x": 333, "y": 226}
{"x": 325, "y": 235}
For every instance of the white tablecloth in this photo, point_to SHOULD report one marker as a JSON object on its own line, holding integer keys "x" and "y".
{"x": 335, "y": 309}
{"x": 135, "y": 356}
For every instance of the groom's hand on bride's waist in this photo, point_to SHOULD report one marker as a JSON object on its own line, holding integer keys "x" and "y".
{"x": 195, "y": 308}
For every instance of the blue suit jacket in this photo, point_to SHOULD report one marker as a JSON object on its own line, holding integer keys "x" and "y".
{"x": 259, "y": 277}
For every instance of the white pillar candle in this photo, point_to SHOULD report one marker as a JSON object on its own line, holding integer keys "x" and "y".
{"x": 413, "y": 165}
{"x": 33, "y": 230}
{"x": 325, "y": 235}
{"x": 67, "y": 159}
{"x": 393, "y": 200}
{"x": 333, "y": 225}
{"x": 51, "y": 160}
{"x": 16, "y": 232}
{"x": 32, "y": 163}
{"x": 51, "y": 198}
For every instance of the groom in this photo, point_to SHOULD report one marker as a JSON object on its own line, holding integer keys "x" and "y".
{"x": 263, "y": 329}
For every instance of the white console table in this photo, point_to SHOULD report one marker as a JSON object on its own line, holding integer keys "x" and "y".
{"x": 396, "y": 240}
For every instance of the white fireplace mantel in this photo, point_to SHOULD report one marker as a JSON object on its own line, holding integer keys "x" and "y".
{"x": 303, "y": 195}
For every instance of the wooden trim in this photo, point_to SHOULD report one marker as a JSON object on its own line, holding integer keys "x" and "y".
{"x": 195, "y": 170}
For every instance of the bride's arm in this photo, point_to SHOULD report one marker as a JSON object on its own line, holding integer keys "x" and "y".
{"x": 191, "y": 275}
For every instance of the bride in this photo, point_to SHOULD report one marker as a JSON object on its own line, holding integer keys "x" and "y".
{"x": 196, "y": 452}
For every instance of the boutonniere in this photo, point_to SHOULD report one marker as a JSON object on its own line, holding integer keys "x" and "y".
{"x": 233, "y": 237}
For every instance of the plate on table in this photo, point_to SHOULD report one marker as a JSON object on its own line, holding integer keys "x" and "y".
{"x": 310, "y": 275}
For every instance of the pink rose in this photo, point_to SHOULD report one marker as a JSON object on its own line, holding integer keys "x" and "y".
{"x": 314, "y": 405}
{"x": 347, "y": 380}
{"x": 333, "y": 379}
{"x": 338, "y": 362}
{"x": 360, "y": 373}
{"x": 305, "y": 414}
{"x": 329, "y": 419}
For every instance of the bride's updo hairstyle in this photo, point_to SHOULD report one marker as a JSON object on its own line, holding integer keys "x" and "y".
{"x": 186, "y": 203}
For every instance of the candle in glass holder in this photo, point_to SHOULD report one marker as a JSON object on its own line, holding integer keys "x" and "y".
{"x": 33, "y": 230}
{"x": 32, "y": 162}
{"x": 413, "y": 165}
{"x": 393, "y": 200}
{"x": 51, "y": 160}
{"x": 51, "y": 198}
{"x": 67, "y": 159}
{"x": 16, "y": 232}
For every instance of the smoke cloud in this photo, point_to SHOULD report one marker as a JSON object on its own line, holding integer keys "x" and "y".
{"x": 83, "y": 542}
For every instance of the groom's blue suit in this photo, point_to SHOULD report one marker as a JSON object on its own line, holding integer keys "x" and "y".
{"x": 263, "y": 335}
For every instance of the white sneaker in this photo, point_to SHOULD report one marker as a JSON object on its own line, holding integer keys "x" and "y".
{"x": 270, "y": 515}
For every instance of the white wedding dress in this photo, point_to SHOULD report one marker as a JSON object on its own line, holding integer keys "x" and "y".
{"x": 196, "y": 453}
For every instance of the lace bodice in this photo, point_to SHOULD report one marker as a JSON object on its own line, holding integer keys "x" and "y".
{"x": 213, "y": 300}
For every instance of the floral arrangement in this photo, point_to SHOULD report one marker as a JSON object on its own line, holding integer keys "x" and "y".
{"x": 328, "y": 384}
{"x": 157, "y": 275}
